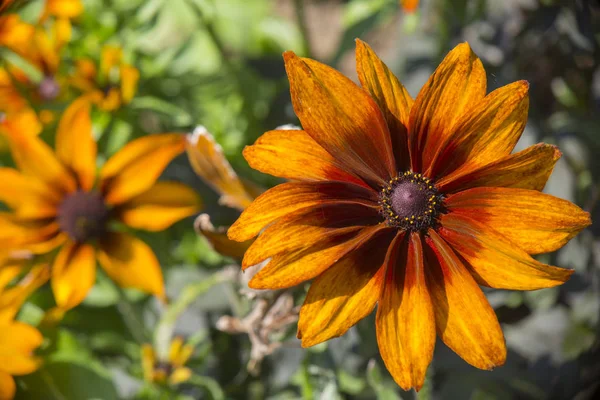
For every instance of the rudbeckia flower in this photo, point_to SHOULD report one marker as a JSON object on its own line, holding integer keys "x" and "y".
{"x": 170, "y": 369}
{"x": 59, "y": 201}
{"x": 62, "y": 9}
{"x": 41, "y": 48}
{"x": 17, "y": 343}
{"x": 406, "y": 204}
{"x": 111, "y": 85}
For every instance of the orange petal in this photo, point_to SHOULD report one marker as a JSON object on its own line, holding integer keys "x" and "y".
{"x": 19, "y": 337}
{"x": 527, "y": 169}
{"x": 136, "y": 167}
{"x": 7, "y": 386}
{"x": 73, "y": 274}
{"x": 159, "y": 207}
{"x": 463, "y": 317}
{"x": 217, "y": 238}
{"x": 488, "y": 132}
{"x": 289, "y": 197}
{"x": 129, "y": 80}
{"x": 534, "y": 221}
{"x": 29, "y": 197}
{"x": 75, "y": 144}
{"x": 16, "y": 233}
{"x": 36, "y": 159}
{"x": 305, "y": 159}
{"x": 455, "y": 88}
{"x": 391, "y": 96}
{"x": 342, "y": 118}
{"x": 289, "y": 269}
{"x": 344, "y": 294}
{"x": 111, "y": 58}
{"x": 405, "y": 321}
{"x": 64, "y": 8}
{"x": 131, "y": 263}
{"x": 209, "y": 163}
{"x": 308, "y": 227}
{"x": 13, "y": 298}
{"x": 495, "y": 261}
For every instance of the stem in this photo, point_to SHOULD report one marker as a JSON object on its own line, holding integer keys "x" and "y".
{"x": 166, "y": 325}
{"x": 47, "y": 378}
{"x": 209, "y": 384}
{"x": 301, "y": 20}
{"x": 130, "y": 318}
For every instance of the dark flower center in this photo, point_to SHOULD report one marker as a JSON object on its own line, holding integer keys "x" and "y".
{"x": 411, "y": 202}
{"x": 48, "y": 88}
{"x": 83, "y": 215}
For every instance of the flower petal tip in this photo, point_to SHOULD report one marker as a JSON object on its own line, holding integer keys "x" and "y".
{"x": 289, "y": 55}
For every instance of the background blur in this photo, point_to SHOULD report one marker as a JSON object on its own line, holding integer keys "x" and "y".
{"x": 217, "y": 63}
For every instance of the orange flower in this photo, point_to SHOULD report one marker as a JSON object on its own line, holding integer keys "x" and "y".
{"x": 113, "y": 85}
{"x": 171, "y": 369}
{"x": 57, "y": 203}
{"x": 63, "y": 9}
{"x": 17, "y": 343}
{"x": 408, "y": 204}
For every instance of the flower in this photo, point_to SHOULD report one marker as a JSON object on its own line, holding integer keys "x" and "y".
{"x": 113, "y": 85}
{"x": 17, "y": 342}
{"x": 41, "y": 48}
{"x": 57, "y": 202}
{"x": 170, "y": 370}
{"x": 62, "y": 9}
{"x": 408, "y": 204}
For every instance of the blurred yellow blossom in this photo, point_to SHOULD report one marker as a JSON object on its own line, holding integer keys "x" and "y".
{"x": 171, "y": 370}
{"x": 111, "y": 85}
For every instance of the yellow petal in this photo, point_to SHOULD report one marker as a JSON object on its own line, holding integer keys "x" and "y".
{"x": 29, "y": 197}
{"x": 455, "y": 88}
{"x": 405, "y": 321}
{"x": 131, "y": 263}
{"x": 75, "y": 144}
{"x": 534, "y": 221}
{"x": 463, "y": 317}
{"x": 305, "y": 159}
{"x": 73, "y": 274}
{"x": 7, "y": 386}
{"x": 180, "y": 375}
{"x": 16, "y": 233}
{"x": 160, "y": 206}
{"x": 137, "y": 166}
{"x": 36, "y": 159}
{"x": 488, "y": 132}
{"x": 129, "y": 81}
{"x": 391, "y": 96}
{"x": 148, "y": 361}
{"x": 344, "y": 294}
{"x": 289, "y": 197}
{"x": 307, "y": 227}
{"x": 111, "y": 58}
{"x": 527, "y": 169}
{"x": 342, "y": 118}
{"x": 64, "y": 8}
{"x": 13, "y": 298}
{"x": 217, "y": 238}
{"x": 495, "y": 261}
{"x": 19, "y": 338}
{"x": 209, "y": 163}
{"x": 289, "y": 269}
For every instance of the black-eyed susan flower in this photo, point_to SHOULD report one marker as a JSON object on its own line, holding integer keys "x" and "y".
{"x": 62, "y": 9}
{"x": 405, "y": 204}
{"x": 59, "y": 201}
{"x": 110, "y": 85}
{"x": 170, "y": 369}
